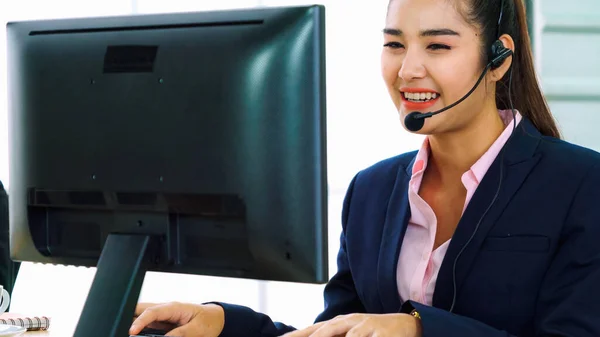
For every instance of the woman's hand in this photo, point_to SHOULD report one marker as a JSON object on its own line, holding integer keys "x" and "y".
{"x": 363, "y": 325}
{"x": 180, "y": 319}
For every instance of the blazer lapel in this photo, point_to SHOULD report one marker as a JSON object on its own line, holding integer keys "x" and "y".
{"x": 518, "y": 161}
{"x": 396, "y": 220}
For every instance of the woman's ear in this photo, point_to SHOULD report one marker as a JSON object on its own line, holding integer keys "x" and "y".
{"x": 498, "y": 73}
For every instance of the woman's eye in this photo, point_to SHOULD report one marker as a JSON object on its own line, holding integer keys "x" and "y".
{"x": 437, "y": 46}
{"x": 393, "y": 45}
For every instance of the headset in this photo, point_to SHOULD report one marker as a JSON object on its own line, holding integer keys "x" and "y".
{"x": 498, "y": 54}
{"x": 415, "y": 121}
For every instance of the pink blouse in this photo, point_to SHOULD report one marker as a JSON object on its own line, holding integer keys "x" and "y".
{"x": 418, "y": 265}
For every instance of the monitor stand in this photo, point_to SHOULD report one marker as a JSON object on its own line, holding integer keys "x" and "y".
{"x": 111, "y": 302}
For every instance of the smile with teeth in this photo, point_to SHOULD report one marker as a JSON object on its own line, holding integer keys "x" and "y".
{"x": 420, "y": 97}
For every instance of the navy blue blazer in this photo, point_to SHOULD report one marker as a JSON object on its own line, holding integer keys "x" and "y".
{"x": 531, "y": 269}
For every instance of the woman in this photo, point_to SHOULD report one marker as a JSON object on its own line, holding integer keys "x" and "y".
{"x": 490, "y": 229}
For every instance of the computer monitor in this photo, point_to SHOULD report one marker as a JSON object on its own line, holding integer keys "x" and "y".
{"x": 186, "y": 143}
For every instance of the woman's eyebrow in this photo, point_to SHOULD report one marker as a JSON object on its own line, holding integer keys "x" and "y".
{"x": 423, "y": 33}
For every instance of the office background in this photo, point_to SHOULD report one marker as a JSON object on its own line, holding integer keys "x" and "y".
{"x": 363, "y": 128}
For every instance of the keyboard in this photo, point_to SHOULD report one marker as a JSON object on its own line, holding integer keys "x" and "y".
{"x": 147, "y": 332}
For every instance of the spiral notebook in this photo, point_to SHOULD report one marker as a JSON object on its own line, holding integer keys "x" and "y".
{"x": 31, "y": 323}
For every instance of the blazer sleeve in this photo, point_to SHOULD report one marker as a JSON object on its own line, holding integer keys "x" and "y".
{"x": 569, "y": 297}
{"x": 340, "y": 297}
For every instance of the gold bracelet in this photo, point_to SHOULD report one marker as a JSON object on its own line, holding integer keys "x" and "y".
{"x": 415, "y": 314}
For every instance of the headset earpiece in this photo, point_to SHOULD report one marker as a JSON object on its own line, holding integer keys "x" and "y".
{"x": 499, "y": 53}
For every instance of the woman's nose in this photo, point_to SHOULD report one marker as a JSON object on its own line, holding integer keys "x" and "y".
{"x": 412, "y": 67}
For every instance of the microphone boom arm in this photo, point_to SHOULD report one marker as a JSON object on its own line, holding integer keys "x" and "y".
{"x": 429, "y": 114}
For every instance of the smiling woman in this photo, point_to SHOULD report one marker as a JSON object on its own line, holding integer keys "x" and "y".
{"x": 489, "y": 229}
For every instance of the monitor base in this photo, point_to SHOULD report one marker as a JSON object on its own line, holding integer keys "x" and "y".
{"x": 113, "y": 296}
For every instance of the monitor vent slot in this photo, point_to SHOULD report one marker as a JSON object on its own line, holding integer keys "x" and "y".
{"x": 149, "y": 27}
{"x": 87, "y": 198}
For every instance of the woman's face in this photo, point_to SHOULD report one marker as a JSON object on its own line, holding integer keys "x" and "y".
{"x": 432, "y": 58}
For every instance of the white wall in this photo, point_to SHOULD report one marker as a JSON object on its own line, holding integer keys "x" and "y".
{"x": 362, "y": 128}
{"x": 568, "y": 46}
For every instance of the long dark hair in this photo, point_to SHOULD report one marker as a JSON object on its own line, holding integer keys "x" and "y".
{"x": 526, "y": 95}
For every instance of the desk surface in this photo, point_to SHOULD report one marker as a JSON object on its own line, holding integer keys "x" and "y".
{"x": 49, "y": 333}
{"x": 52, "y": 332}
{"x": 56, "y": 330}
